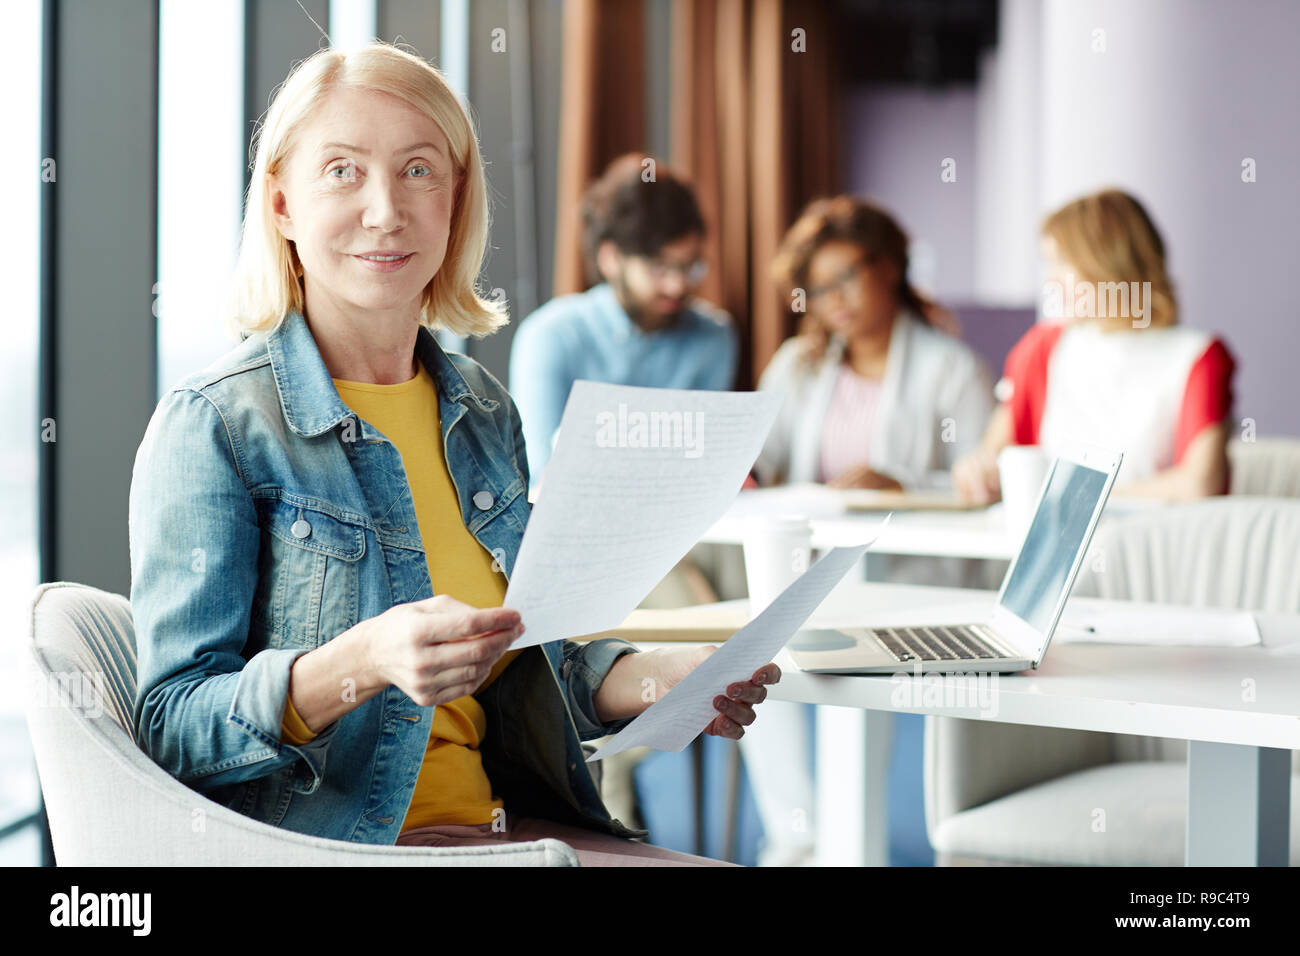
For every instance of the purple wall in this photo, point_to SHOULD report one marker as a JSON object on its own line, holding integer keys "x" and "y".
{"x": 992, "y": 331}
{"x": 897, "y": 140}
{"x": 1183, "y": 92}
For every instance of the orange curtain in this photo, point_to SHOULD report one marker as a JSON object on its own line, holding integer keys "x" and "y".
{"x": 602, "y": 114}
{"x": 755, "y": 114}
{"x": 755, "y": 117}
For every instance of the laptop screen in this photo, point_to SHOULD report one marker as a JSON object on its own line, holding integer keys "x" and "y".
{"x": 1039, "y": 579}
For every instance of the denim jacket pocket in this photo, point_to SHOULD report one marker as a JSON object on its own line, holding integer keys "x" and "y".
{"x": 269, "y": 797}
{"x": 500, "y": 528}
{"x": 264, "y": 798}
{"x": 308, "y": 574}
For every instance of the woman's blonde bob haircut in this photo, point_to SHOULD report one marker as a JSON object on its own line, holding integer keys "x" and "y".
{"x": 267, "y": 284}
{"x": 1108, "y": 237}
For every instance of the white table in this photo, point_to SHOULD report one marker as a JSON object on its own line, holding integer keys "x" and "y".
{"x": 866, "y": 734}
{"x": 979, "y": 533}
{"x": 976, "y": 533}
{"x": 1239, "y": 760}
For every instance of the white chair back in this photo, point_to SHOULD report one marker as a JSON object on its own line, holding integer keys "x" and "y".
{"x": 1228, "y": 552}
{"x": 1268, "y": 466}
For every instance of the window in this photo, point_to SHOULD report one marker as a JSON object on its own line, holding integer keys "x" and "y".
{"x": 201, "y": 154}
{"x": 19, "y": 560}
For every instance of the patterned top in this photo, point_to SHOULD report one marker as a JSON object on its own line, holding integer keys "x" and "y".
{"x": 847, "y": 428}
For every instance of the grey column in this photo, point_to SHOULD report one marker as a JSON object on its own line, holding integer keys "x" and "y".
{"x": 1238, "y": 805}
{"x": 99, "y": 222}
{"x": 276, "y": 35}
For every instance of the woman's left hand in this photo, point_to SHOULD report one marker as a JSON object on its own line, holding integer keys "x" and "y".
{"x": 734, "y": 703}
{"x": 864, "y": 476}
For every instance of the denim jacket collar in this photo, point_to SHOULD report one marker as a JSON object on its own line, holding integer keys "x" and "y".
{"x": 311, "y": 403}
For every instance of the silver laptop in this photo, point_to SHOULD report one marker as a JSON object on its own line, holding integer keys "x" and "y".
{"x": 1016, "y": 634}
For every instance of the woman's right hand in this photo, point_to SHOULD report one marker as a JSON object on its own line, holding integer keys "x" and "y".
{"x": 439, "y": 649}
{"x": 975, "y": 478}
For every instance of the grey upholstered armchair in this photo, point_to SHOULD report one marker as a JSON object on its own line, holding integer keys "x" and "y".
{"x": 110, "y": 805}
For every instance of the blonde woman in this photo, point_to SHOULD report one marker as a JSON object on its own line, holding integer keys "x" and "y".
{"x": 322, "y": 521}
{"x": 1113, "y": 367}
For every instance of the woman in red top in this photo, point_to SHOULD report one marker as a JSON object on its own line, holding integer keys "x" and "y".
{"x": 1111, "y": 366}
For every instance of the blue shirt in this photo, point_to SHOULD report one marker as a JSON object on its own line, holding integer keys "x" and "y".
{"x": 267, "y": 518}
{"x": 588, "y": 335}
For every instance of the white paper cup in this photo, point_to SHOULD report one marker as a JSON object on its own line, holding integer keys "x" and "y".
{"x": 777, "y": 550}
{"x": 1021, "y": 471}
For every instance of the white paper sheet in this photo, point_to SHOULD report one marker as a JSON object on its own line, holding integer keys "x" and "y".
{"x": 636, "y": 478}
{"x": 1156, "y": 624}
{"x": 680, "y": 715}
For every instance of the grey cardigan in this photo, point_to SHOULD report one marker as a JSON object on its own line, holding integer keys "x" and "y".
{"x": 936, "y": 401}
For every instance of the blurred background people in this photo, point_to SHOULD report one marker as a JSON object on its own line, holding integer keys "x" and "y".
{"x": 1118, "y": 370}
{"x": 875, "y": 396}
{"x": 641, "y": 324}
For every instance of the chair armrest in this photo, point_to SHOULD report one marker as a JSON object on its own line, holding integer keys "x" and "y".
{"x": 110, "y": 805}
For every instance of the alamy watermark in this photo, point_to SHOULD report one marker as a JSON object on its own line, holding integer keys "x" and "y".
{"x": 970, "y": 691}
{"x": 78, "y": 690}
{"x": 652, "y": 429}
{"x": 75, "y": 908}
{"x": 1094, "y": 300}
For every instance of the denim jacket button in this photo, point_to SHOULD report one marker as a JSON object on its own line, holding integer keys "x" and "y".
{"x": 300, "y": 529}
{"x": 483, "y": 500}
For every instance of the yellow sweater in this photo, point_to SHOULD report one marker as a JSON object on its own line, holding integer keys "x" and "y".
{"x": 452, "y": 787}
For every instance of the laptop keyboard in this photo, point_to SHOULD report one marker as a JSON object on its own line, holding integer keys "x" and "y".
{"x": 940, "y": 643}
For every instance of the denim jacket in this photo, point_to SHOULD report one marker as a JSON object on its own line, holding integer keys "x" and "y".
{"x": 266, "y": 518}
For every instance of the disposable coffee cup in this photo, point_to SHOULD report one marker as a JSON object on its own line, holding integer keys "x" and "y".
{"x": 777, "y": 550}
{"x": 1021, "y": 472}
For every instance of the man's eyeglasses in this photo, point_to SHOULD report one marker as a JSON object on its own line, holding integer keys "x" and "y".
{"x": 692, "y": 273}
